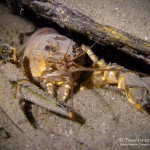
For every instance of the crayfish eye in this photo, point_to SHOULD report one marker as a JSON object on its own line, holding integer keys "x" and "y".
{"x": 78, "y": 51}
{"x": 48, "y": 48}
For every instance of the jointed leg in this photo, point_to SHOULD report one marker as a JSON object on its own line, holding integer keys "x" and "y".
{"x": 100, "y": 78}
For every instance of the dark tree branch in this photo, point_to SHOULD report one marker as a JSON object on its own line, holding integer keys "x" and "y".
{"x": 74, "y": 20}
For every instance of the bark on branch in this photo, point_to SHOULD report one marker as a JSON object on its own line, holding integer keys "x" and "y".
{"x": 74, "y": 20}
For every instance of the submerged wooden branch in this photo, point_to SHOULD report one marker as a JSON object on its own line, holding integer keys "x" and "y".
{"x": 74, "y": 20}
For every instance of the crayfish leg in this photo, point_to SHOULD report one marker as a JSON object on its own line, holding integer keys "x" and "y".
{"x": 100, "y": 77}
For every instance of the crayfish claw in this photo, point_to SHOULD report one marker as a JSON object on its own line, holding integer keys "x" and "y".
{"x": 136, "y": 90}
{"x": 139, "y": 97}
